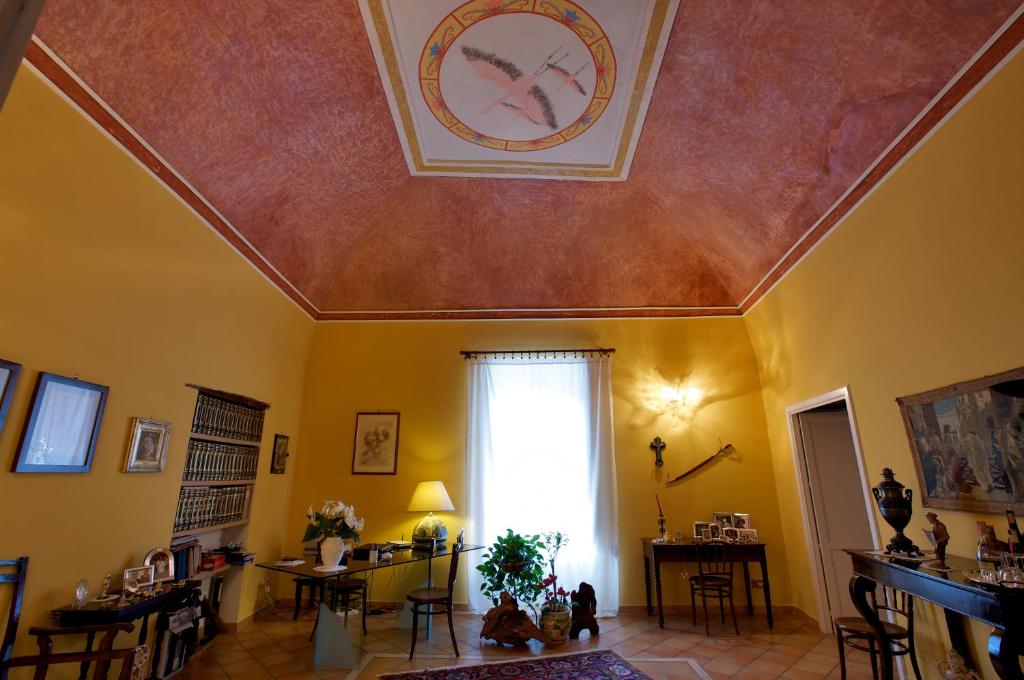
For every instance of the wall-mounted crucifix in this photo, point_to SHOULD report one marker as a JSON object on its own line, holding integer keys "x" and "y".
{"x": 658, "y": 446}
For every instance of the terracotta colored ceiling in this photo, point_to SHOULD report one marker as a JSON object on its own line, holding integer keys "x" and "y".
{"x": 763, "y": 115}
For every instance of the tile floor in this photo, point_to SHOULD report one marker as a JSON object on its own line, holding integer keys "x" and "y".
{"x": 276, "y": 647}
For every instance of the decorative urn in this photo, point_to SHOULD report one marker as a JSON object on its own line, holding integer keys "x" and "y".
{"x": 894, "y": 502}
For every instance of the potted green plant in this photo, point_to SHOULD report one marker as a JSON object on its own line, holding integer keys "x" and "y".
{"x": 555, "y": 619}
{"x": 514, "y": 565}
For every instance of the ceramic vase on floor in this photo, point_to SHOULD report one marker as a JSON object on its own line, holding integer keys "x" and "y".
{"x": 331, "y": 551}
{"x": 555, "y": 624}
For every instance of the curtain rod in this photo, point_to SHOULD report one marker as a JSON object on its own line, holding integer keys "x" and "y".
{"x": 474, "y": 353}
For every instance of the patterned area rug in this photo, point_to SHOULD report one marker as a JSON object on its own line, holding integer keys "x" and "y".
{"x": 595, "y": 665}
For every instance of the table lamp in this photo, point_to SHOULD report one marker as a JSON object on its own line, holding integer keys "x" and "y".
{"x": 430, "y": 497}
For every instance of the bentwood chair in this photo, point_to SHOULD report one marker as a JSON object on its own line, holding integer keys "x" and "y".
{"x": 133, "y": 658}
{"x": 854, "y": 631}
{"x": 436, "y": 601}
{"x": 713, "y": 579}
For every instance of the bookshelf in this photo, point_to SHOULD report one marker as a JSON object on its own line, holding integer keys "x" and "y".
{"x": 221, "y": 463}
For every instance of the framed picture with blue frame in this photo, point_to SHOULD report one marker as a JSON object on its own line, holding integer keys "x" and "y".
{"x": 8, "y": 380}
{"x": 62, "y": 427}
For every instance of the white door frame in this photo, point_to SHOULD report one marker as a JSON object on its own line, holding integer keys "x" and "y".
{"x": 841, "y": 394}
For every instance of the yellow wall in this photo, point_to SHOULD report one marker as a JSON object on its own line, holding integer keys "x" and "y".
{"x": 106, "y": 275}
{"x": 918, "y": 288}
{"x": 415, "y": 368}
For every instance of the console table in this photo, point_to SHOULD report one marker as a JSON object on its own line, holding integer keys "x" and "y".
{"x": 655, "y": 554}
{"x": 1001, "y": 608}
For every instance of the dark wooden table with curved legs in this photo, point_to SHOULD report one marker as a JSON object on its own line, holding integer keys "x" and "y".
{"x": 1001, "y": 608}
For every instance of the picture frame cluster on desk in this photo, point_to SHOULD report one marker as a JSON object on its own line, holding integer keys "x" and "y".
{"x": 734, "y": 527}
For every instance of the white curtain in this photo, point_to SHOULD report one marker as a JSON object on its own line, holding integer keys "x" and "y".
{"x": 64, "y": 426}
{"x": 540, "y": 457}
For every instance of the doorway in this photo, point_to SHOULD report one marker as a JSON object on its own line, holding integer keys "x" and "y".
{"x": 835, "y": 496}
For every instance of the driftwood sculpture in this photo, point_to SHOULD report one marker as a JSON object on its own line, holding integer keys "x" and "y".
{"x": 584, "y": 607}
{"x": 509, "y": 625}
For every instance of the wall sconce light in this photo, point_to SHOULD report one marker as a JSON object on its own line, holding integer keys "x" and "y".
{"x": 674, "y": 396}
{"x": 657, "y": 445}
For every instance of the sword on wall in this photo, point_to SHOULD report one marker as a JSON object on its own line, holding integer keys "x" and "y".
{"x": 698, "y": 466}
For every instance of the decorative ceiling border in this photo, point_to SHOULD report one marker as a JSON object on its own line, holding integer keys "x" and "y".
{"x": 986, "y": 62}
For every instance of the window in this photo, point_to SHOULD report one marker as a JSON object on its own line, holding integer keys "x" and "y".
{"x": 540, "y": 458}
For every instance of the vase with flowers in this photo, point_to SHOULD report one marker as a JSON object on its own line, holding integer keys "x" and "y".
{"x": 555, "y": 619}
{"x": 333, "y": 523}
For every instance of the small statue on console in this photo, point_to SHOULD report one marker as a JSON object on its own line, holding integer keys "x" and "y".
{"x": 940, "y": 535}
{"x": 584, "y": 606}
{"x": 508, "y": 625}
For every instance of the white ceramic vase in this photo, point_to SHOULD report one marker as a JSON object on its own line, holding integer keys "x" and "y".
{"x": 331, "y": 551}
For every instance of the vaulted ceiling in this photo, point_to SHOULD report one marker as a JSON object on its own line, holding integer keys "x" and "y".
{"x": 271, "y": 119}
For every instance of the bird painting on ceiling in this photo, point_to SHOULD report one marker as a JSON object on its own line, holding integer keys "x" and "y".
{"x": 520, "y": 92}
{"x": 568, "y": 78}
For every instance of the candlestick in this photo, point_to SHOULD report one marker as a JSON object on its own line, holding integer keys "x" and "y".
{"x": 660, "y": 513}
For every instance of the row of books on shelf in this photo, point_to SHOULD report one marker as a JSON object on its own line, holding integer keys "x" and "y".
{"x": 209, "y": 461}
{"x": 188, "y": 556}
{"x": 200, "y": 507}
{"x": 222, "y": 418}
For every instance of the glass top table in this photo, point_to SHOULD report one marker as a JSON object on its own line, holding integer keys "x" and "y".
{"x": 307, "y": 568}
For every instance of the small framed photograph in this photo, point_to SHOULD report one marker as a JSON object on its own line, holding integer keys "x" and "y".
{"x": 62, "y": 427}
{"x": 715, "y": 531}
{"x": 730, "y": 533}
{"x": 147, "y": 448}
{"x": 748, "y": 535}
{"x": 698, "y": 528}
{"x": 705, "y": 533}
{"x": 723, "y": 519}
{"x": 375, "y": 450}
{"x": 8, "y": 381}
{"x": 741, "y": 520}
{"x": 162, "y": 561}
{"x": 280, "y": 454}
{"x": 137, "y": 579}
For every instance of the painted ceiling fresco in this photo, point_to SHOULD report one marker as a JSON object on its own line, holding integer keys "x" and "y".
{"x": 764, "y": 114}
{"x": 510, "y": 88}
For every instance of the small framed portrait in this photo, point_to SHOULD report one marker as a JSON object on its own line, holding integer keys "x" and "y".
{"x": 280, "y": 454}
{"x": 748, "y": 535}
{"x": 147, "y": 448}
{"x": 8, "y": 380}
{"x": 731, "y": 533}
{"x": 62, "y": 427}
{"x": 375, "y": 450}
{"x": 723, "y": 519}
{"x": 698, "y": 528}
{"x": 705, "y": 533}
{"x": 137, "y": 579}
{"x": 162, "y": 561}
{"x": 741, "y": 520}
{"x": 715, "y": 530}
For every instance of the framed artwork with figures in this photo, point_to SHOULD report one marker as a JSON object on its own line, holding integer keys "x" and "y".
{"x": 62, "y": 427}
{"x": 375, "y": 449}
{"x": 967, "y": 442}
{"x": 279, "y": 456}
{"x": 147, "y": 449}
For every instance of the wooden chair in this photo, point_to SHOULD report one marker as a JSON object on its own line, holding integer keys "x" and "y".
{"x": 713, "y": 579}
{"x": 133, "y": 658}
{"x": 854, "y": 631}
{"x": 430, "y": 598}
{"x": 345, "y": 587}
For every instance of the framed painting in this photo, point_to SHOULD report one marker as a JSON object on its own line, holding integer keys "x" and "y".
{"x": 375, "y": 449}
{"x": 967, "y": 442}
{"x": 147, "y": 450}
{"x": 8, "y": 381}
{"x": 279, "y": 457}
{"x": 62, "y": 427}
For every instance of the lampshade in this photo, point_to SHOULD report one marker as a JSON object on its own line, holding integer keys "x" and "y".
{"x": 430, "y": 497}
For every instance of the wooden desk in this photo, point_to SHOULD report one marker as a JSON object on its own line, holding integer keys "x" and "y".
{"x": 1001, "y": 608}
{"x": 655, "y": 554}
{"x": 115, "y": 611}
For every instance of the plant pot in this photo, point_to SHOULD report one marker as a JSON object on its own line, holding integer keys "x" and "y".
{"x": 513, "y": 567}
{"x": 331, "y": 551}
{"x": 556, "y": 624}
